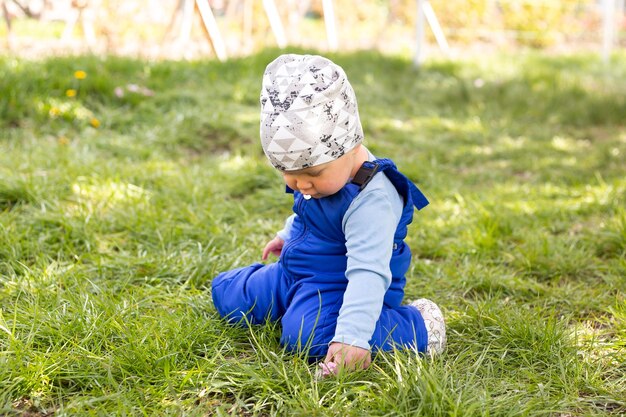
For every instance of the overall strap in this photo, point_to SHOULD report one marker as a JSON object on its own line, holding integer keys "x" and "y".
{"x": 399, "y": 180}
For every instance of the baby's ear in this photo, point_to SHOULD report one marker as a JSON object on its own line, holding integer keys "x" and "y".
{"x": 356, "y": 148}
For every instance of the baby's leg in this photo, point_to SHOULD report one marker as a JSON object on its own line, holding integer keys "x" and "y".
{"x": 310, "y": 320}
{"x": 401, "y": 326}
{"x": 256, "y": 292}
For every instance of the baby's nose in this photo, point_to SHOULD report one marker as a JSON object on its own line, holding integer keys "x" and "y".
{"x": 303, "y": 184}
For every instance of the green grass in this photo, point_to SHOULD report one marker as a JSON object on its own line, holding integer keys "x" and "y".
{"x": 116, "y": 212}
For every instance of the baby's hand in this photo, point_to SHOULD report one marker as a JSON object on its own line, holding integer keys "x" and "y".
{"x": 274, "y": 246}
{"x": 345, "y": 356}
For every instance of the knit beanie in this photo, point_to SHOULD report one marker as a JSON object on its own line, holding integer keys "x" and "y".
{"x": 309, "y": 113}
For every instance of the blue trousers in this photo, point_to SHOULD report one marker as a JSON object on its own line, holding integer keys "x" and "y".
{"x": 308, "y": 309}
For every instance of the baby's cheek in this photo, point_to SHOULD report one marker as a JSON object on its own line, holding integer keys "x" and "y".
{"x": 331, "y": 188}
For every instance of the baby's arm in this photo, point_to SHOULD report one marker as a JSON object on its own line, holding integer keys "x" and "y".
{"x": 275, "y": 246}
{"x": 369, "y": 226}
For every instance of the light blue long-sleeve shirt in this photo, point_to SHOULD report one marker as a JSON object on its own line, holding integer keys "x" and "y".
{"x": 369, "y": 226}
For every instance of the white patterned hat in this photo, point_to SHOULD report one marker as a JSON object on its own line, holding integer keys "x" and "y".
{"x": 309, "y": 114}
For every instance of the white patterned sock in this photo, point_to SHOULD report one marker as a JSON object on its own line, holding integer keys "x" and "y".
{"x": 435, "y": 325}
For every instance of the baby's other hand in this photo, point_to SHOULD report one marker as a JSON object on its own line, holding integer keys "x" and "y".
{"x": 274, "y": 246}
{"x": 348, "y": 357}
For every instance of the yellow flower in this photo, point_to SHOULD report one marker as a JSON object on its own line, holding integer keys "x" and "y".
{"x": 63, "y": 141}
{"x": 70, "y": 93}
{"x": 54, "y": 112}
{"x": 94, "y": 122}
{"x": 80, "y": 75}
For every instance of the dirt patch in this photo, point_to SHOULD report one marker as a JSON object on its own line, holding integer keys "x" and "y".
{"x": 24, "y": 407}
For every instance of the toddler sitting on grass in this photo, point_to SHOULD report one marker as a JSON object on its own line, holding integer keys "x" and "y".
{"x": 338, "y": 285}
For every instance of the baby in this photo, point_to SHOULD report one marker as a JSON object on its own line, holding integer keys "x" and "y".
{"x": 338, "y": 285}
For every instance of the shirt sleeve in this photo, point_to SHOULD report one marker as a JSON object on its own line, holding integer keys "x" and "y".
{"x": 369, "y": 226}
{"x": 285, "y": 232}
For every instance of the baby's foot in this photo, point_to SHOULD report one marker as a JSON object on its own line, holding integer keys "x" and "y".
{"x": 435, "y": 325}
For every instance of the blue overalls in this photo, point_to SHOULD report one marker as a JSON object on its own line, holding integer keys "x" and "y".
{"x": 305, "y": 288}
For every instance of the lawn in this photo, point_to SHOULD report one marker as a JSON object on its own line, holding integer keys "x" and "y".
{"x": 127, "y": 185}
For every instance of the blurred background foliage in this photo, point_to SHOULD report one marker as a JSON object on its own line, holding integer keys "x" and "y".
{"x": 145, "y": 27}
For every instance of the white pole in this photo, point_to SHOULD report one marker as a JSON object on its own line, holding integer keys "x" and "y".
{"x": 435, "y": 26}
{"x": 275, "y": 23}
{"x": 608, "y": 28}
{"x": 329, "y": 21}
{"x": 186, "y": 22}
{"x": 419, "y": 33}
{"x": 211, "y": 26}
{"x": 70, "y": 23}
{"x": 87, "y": 18}
{"x": 247, "y": 25}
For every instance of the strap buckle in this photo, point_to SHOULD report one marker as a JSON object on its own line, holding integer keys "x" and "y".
{"x": 365, "y": 174}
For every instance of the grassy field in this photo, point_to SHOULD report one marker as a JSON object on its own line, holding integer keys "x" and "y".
{"x": 125, "y": 186}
